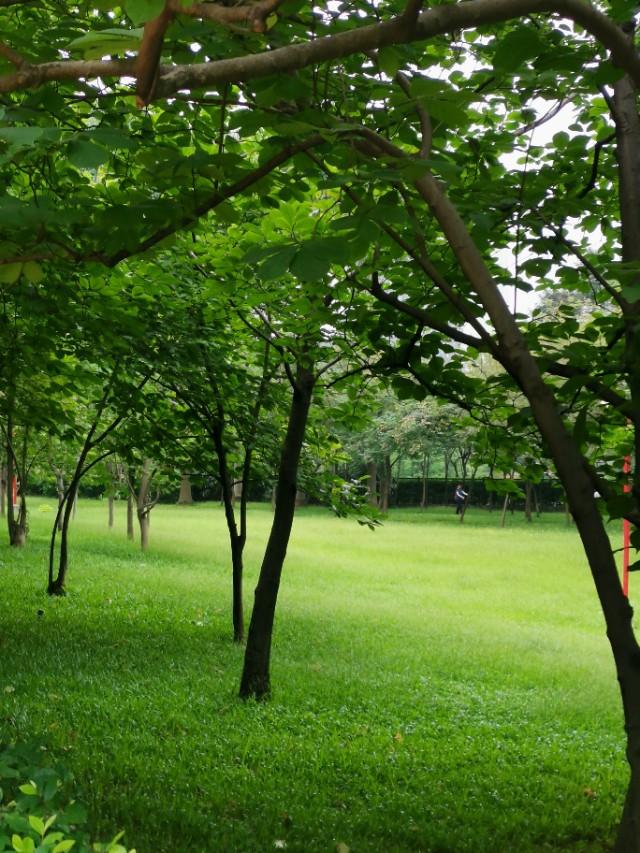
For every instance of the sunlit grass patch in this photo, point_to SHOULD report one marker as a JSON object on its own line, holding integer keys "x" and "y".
{"x": 437, "y": 686}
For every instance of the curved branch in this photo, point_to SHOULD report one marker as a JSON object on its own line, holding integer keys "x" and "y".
{"x": 149, "y": 56}
{"x": 32, "y": 76}
{"x": 434, "y": 21}
{"x": 12, "y": 56}
{"x": 586, "y": 263}
{"x": 596, "y": 160}
{"x": 212, "y": 202}
{"x": 255, "y": 14}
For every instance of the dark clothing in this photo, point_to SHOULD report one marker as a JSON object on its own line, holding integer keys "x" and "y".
{"x": 459, "y": 498}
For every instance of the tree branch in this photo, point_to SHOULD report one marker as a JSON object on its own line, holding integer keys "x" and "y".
{"x": 149, "y": 56}
{"x": 255, "y": 14}
{"x": 211, "y": 203}
{"x": 435, "y": 21}
{"x": 12, "y": 55}
{"x": 404, "y": 29}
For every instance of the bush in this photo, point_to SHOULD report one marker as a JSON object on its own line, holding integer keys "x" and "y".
{"x": 39, "y": 808}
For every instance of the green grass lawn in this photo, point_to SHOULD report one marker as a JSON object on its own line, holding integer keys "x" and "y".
{"x": 437, "y": 686}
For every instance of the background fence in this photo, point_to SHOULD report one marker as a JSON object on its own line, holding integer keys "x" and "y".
{"x": 404, "y": 492}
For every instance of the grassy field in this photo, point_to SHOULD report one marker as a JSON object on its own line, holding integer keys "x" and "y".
{"x": 437, "y": 686}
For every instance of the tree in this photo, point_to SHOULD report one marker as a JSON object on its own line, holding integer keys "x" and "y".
{"x": 410, "y": 142}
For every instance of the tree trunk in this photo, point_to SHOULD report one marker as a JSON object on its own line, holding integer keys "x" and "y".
{"x": 144, "y": 503}
{"x": 573, "y": 472}
{"x": 130, "y": 527}
{"x": 425, "y": 483}
{"x": 185, "y": 496}
{"x": 16, "y": 524}
{"x": 256, "y": 680}
{"x": 385, "y": 485}
{"x": 528, "y": 486}
{"x": 60, "y": 489}
{"x": 58, "y": 586}
{"x": 144, "y": 523}
{"x": 3, "y": 491}
{"x": 372, "y": 484}
{"x": 236, "y": 538}
{"x": 625, "y": 649}
{"x": 505, "y": 507}
{"x": 111, "y": 511}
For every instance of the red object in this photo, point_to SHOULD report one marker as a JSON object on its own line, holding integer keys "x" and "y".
{"x": 626, "y": 533}
{"x": 15, "y": 491}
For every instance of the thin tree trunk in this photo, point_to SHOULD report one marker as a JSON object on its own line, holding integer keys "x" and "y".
{"x": 131, "y": 533}
{"x": 3, "y": 491}
{"x": 256, "y": 679}
{"x": 385, "y": 485}
{"x": 17, "y": 524}
{"x": 236, "y": 538}
{"x": 527, "y": 500}
{"x": 144, "y": 524}
{"x": 372, "y": 484}
{"x": 65, "y": 508}
{"x": 625, "y": 649}
{"x": 425, "y": 482}
{"x": 185, "y": 496}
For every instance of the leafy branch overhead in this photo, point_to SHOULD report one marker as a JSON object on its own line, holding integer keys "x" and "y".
{"x": 279, "y": 38}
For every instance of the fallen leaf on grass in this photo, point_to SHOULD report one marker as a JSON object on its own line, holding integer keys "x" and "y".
{"x": 342, "y": 847}
{"x": 589, "y": 792}
{"x": 280, "y": 844}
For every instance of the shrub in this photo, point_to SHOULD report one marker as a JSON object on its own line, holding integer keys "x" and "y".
{"x": 39, "y": 808}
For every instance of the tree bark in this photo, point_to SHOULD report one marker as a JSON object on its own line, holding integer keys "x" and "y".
{"x": 372, "y": 484}
{"x": 627, "y": 120}
{"x": 256, "y": 679}
{"x": 185, "y": 496}
{"x": 385, "y": 485}
{"x": 144, "y": 502}
{"x": 237, "y": 537}
{"x": 130, "y": 527}
{"x": 528, "y": 486}
{"x": 16, "y": 524}
{"x": 425, "y": 482}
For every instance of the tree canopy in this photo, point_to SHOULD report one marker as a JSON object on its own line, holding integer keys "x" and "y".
{"x": 390, "y": 171}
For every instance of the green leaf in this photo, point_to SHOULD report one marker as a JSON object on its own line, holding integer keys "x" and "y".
{"x": 37, "y": 824}
{"x": 20, "y": 137}
{"x": 86, "y": 155}
{"x": 107, "y": 43}
{"x": 390, "y": 60}
{"x": 9, "y": 273}
{"x": 63, "y": 846}
{"x": 277, "y": 265}
{"x": 143, "y": 10}
{"x": 29, "y": 789}
{"x": 111, "y": 137}
{"x": 620, "y": 505}
{"x": 518, "y": 46}
{"x": 307, "y": 266}
{"x": 33, "y": 271}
